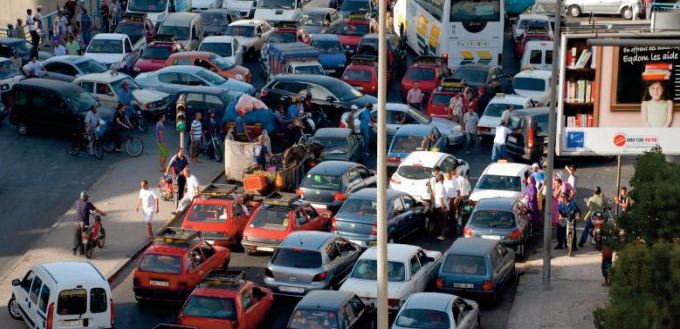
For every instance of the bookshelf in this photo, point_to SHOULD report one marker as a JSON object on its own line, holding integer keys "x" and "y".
{"x": 580, "y": 85}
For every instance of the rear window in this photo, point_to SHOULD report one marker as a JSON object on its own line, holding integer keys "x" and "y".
{"x": 441, "y": 99}
{"x": 414, "y": 172}
{"x": 72, "y": 302}
{"x": 208, "y": 213}
{"x": 422, "y": 318}
{"x": 160, "y": 264}
{"x": 210, "y": 307}
{"x": 496, "y": 109}
{"x": 307, "y": 319}
{"x": 407, "y": 144}
{"x": 297, "y": 258}
{"x": 366, "y": 269}
{"x": 323, "y": 182}
{"x": 332, "y": 145}
{"x": 273, "y": 218}
{"x": 358, "y": 207}
{"x": 98, "y": 300}
{"x": 497, "y": 182}
{"x": 357, "y": 75}
{"x": 422, "y": 74}
{"x": 464, "y": 264}
{"x": 529, "y": 84}
{"x": 492, "y": 219}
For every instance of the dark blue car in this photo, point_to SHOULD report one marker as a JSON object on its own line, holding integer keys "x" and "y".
{"x": 331, "y": 55}
{"x": 414, "y": 137}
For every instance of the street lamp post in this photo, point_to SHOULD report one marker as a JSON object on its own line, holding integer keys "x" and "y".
{"x": 381, "y": 168}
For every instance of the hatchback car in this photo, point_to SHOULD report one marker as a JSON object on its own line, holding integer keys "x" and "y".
{"x": 331, "y": 55}
{"x": 500, "y": 219}
{"x": 216, "y": 20}
{"x": 534, "y": 84}
{"x": 411, "y": 138}
{"x": 356, "y": 220}
{"x": 9, "y": 75}
{"x": 427, "y": 71}
{"x": 138, "y": 27}
{"x": 328, "y": 184}
{"x": 225, "y": 46}
{"x": 413, "y": 173}
{"x": 438, "y": 102}
{"x": 339, "y": 144}
{"x": 526, "y": 20}
{"x": 156, "y": 53}
{"x": 332, "y": 309}
{"x": 307, "y": 261}
{"x": 576, "y": 8}
{"x": 477, "y": 267}
{"x": 491, "y": 118}
{"x": 501, "y": 179}
{"x": 69, "y": 67}
{"x": 212, "y": 62}
{"x": 529, "y": 139}
{"x": 362, "y": 73}
{"x": 437, "y": 310}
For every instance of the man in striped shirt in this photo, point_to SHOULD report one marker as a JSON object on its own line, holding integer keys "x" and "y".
{"x": 196, "y": 136}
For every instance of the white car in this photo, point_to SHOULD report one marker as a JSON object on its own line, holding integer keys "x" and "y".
{"x": 227, "y": 47}
{"x": 112, "y": 50}
{"x": 410, "y": 269}
{"x": 501, "y": 179}
{"x": 250, "y": 34}
{"x": 534, "y": 84}
{"x": 526, "y": 20}
{"x": 538, "y": 54}
{"x": 105, "y": 87}
{"x": 413, "y": 173}
{"x": 491, "y": 118}
{"x": 275, "y": 11}
{"x": 9, "y": 75}
{"x": 245, "y": 8}
{"x": 437, "y": 310}
{"x": 200, "y": 5}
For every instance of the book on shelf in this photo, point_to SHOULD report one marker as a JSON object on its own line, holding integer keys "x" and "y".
{"x": 593, "y": 51}
{"x": 583, "y": 59}
{"x": 571, "y": 57}
{"x": 581, "y": 120}
{"x": 580, "y": 91}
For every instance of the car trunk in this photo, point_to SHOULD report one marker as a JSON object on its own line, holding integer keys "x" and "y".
{"x": 294, "y": 275}
{"x": 354, "y": 225}
{"x": 318, "y": 195}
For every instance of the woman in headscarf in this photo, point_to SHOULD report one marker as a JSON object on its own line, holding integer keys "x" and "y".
{"x": 532, "y": 203}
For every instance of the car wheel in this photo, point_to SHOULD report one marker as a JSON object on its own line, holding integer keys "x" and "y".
{"x": 575, "y": 11}
{"x": 627, "y": 13}
{"x": 13, "y": 308}
{"x": 22, "y": 129}
{"x": 521, "y": 255}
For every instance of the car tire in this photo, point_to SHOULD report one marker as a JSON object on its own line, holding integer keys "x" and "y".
{"x": 575, "y": 11}
{"x": 13, "y": 308}
{"x": 627, "y": 13}
{"x": 22, "y": 129}
{"x": 521, "y": 251}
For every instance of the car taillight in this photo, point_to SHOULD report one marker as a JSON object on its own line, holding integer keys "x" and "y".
{"x": 515, "y": 235}
{"x": 342, "y": 125}
{"x": 393, "y": 302}
{"x": 299, "y": 192}
{"x": 488, "y": 285}
{"x": 340, "y": 196}
{"x": 395, "y": 181}
{"x": 147, "y": 106}
{"x": 334, "y": 226}
{"x": 50, "y": 316}
{"x": 394, "y": 159}
{"x": 374, "y": 229}
{"x": 320, "y": 277}
{"x": 268, "y": 273}
{"x": 440, "y": 283}
{"x": 113, "y": 311}
{"x": 531, "y": 136}
{"x": 263, "y": 93}
{"x": 468, "y": 232}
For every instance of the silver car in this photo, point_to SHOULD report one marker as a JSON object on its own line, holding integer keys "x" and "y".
{"x": 310, "y": 260}
{"x": 576, "y": 8}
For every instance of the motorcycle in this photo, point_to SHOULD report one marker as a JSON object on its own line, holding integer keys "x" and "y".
{"x": 93, "y": 236}
{"x": 571, "y": 231}
{"x": 598, "y": 226}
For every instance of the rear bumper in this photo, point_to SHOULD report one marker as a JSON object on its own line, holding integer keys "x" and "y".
{"x": 467, "y": 292}
{"x": 260, "y": 246}
{"x": 160, "y": 294}
{"x": 456, "y": 139}
{"x": 218, "y": 240}
{"x": 362, "y": 241}
{"x": 284, "y": 288}
{"x": 522, "y": 152}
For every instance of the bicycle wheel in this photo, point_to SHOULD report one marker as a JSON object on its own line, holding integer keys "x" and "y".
{"x": 72, "y": 147}
{"x": 134, "y": 146}
{"x": 108, "y": 144}
{"x": 98, "y": 149}
{"x": 218, "y": 151}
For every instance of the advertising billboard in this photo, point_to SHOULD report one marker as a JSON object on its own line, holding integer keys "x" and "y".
{"x": 622, "y": 99}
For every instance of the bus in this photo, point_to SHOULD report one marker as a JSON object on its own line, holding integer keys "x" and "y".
{"x": 464, "y": 31}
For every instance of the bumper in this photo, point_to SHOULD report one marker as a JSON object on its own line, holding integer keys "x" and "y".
{"x": 332, "y": 207}
{"x": 467, "y": 292}
{"x": 219, "y": 240}
{"x": 293, "y": 290}
{"x": 363, "y": 242}
{"x": 523, "y": 153}
{"x": 259, "y": 246}
{"x": 390, "y": 309}
{"x": 486, "y": 133}
{"x": 158, "y": 294}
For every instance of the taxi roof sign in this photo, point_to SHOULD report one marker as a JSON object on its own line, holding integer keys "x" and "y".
{"x": 358, "y": 16}
{"x": 451, "y": 84}
{"x": 219, "y": 191}
{"x": 176, "y": 236}
{"x": 220, "y": 278}
{"x": 281, "y": 199}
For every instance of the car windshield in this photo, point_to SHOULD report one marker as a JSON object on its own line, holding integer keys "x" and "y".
{"x": 414, "y": 172}
{"x": 344, "y": 91}
{"x": 408, "y": 144}
{"x": 156, "y": 52}
{"x": 241, "y": 31}
{"x": 210, "y": 307}
{"x": 160, "y": 264}
{"x": 497, "y": 182}
{"x": 8, "y": 69}
{"x": 529, "y": 84}
{"x": 103, "y": 46}
{"x": 313, "y": 319}
{"x": 214, "y": 18}
{"x": 322, "y": 182}
{"x": 471, "y": 76}
{"x": 441, "y": 99}
{"x": 496, "y": 109}
{"x": 221, "y": 63}
{"x": 133, "y": 31}
{"x": 366, "y": 269}
{"x": 357, "y": 75}
{"x": 90, "y": 66}
{"x": 207, "y": 213}
{"x": 147, "y": 6}
{"x": 309, "y": 69}
{"x": 327, "y": 47}
{"x": 285, "y": 37}
{"x": 332, "y": 145}
{"x": 358, "y": 207}
{"x": 271, "y": 218}
{"x": 422, "y": 319}
{"x": 525, "y": 23}
{"x": 420, "y": 74}
{"x": 419, "y": 116}
{"x": 464, "y": 264}
{"x": 276, "y": 4}
{"x": 298, "y": 258}
{"x": 180, "y": 32}
{"x": 352, "y": 29}
{"x": 210, "y": 77}
{"x": 492, "y": 219}
{"x": 475, "y": 11}
{"x": 220, "y": 48}
{"x": 314, "y": 19}
{"x": 354, "y": 6}
{"x": 81, "y": 102}
{"x": 118, "y": 85}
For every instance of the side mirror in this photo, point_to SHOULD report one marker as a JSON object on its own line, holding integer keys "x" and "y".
{"x": 16, "y": 282}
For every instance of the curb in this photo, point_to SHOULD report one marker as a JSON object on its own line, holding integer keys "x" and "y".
{"x": 118, "y": 269}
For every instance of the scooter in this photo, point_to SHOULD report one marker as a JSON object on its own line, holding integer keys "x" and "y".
{"x": 598, "y": 225}
{"x": 93, "y": 236}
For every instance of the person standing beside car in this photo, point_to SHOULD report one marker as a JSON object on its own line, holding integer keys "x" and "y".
{"x": 92, "y": 121}
{"x": 177, "y": 164}
{"x": 470, "y": 121}
{"x": 196, "y": 136}
{"x": 414, "y": 97}
{"x": 498, "y": 151}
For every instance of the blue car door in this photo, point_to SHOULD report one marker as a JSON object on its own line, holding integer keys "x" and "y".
{"x": 416, "y": 212}
{"x": 398, "y": 220}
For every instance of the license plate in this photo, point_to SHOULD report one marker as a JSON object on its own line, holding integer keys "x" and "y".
{"x": 512, "y": 139}
{"x": 266, "y": 249}
{"x": 159, "y": 283}
{"x": 373, "y": 243}
{"x": 70, "y": 323}
{"x": 291, "y": 289}
{"x": 491, "y": 237}
{"x": 463, "y": 285}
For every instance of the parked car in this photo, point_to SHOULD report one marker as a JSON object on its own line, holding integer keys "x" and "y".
{"x": 224, "y": 299}
{"x": 210, "y": 61}
{"x": 576, "y": 8}
{"x": 352, "y": 30}
{"x": 69, "y": 67}
{"x": 308, "y": 261}
{"x": 362, "y": 73}
{"x": 415, "y": 170}
{"x": 501, "y": 179}
{"x": 491, "y": 118}
{"x": 204, "y": 99}
{"x": 9, "y": 75}
{"x": 55, "y": 295}
{"x": 332, "y": 309}
{"x": 532, "y": 34}
{"x": 22, "y": 48}
{"x": 328, "y": 184}
{"x": 439, "y": 100}
{"x": 245, "y": 8}
{"x": 500, "y": 219}
{"x": 174, "y": 264}
{"x": 348, "y": 7}
{"x": 437, "y": 310}
{"x": 106, "y": 87}
{"x": 492, "y": 78}
{"x": 525, "y": 20}
{"x": 428, "y": 72}
{"x": 331, "y": 55}
{"x": 319, "y": 20}
{"x": 251, "y": 35}
{"x": 356, "y": 220}
{"x": 225, "y": 46}
{"x": 339, "y": 144}
{"x": 529, "y": 139}
{"x": 410, "y": 269}
{"x": 187, "y": 28}
{"x": 412, "y": 138}
{"x": 139, "y": 28}
{"x": 113, "y": 50}
{"x": 476, "y": 267}
{"x": 216, "y": 20}
{"x": 534, "y": 84}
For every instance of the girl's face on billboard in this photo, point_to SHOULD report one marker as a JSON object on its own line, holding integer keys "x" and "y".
{"x": 656, "y": 91}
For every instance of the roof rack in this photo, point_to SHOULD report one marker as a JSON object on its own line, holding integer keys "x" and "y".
{"x": 427, "y": 60}
{"x": 218, "y": 278}
{"x": 358, "y": 16}
{"x": 452, "y": 84}
{"x": 176, "y": 236}
{"x": 364, "y": 59}
{"x": 219, "y": 191}
{"x": 281, "y": 199}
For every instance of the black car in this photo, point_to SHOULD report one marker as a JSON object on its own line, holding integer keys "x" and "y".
{"x": 332, "y": 309}
{"x": 204, "y": 99}
{"x": 339, "y": 144}
{"x": 216, "y": 20}
{"x": 21, "y": 47}
{"x": 52, "y": 105}
{"x": 528, "y": 142}
{"x": 328, "y": 184}
{"x": 492, "y": 78}
{"x": 330, "y": 95}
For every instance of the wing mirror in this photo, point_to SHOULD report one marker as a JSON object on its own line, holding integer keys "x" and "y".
{"x": 16, "y": 282}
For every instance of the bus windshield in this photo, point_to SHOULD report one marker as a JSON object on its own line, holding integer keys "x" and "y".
{"x": 475, "y": 10}
{"x": 147, "y": 6}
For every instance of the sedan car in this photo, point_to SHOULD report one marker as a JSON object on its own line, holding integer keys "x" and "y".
{"x": 500, "y": 219}
{"x": 600, "y": 7}
{"x": 491, "y": 117}
{"x": 106, "y": 88}
{"x": 414, "y": 172}
{"x": 339, "y": 144}
{"x": 225, "y": 46}
{"x": 534, "y": 84}
{"x": 411, "y": 138}
{"x": 205, "y": 99}
{"x": 174, "y": 78}
{"x": 155, "y": 54}
{"x": 526, "y": 20}
{"x": 356, "y": 220}
{"x": 307, "y": 261}
{"x": 331, "y": 55}
{"x": 328, "y": 184}
{"x": 501, "y": 179}
{"x": 332, "y": 309}
{"x": 410, "y": 269}
{"x": 210, "y": 61}
{"x": 437, "y": 310}
{"x": 319, "y": 20}
{"x": 68, "y": 67}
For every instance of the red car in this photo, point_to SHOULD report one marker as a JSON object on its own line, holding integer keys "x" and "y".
{"x": 362, "y": 73}
{"x": 281, "y": 214}
{"x": 225, "y": 300}
{"x": 438, "y": 103}
{"x": 177, "y": 260}
{"x": 428, "y": 71}
{"x": 221, "y": 214}
{"x": 352, "y": 30}
{"x": 526, "y": 37}
{"x": 155, "y": 54}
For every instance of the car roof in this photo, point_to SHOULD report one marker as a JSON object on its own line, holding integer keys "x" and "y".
{"x": 218, "y": 38}
{"x": 318, "y": 79}
{"x": 202, "y": 90}
{"x": 192, "y": 54}
{"x": 331, "y": 168}
{"x": 325, "y": 300}
{"x": 65, "y": 272}
{"x": 247, "y": 22}
{"x": 103, "y": 77}
{"x": 429, "y": 301}
{"x": 396, "y": 252}
{"x": 426, "y": 159}
{"x": 509, "y": 99}
{"x": 110, "y": 36}
{"x": 306, "y": 240}
{"x": 62, "y": 87}
{"x": 67, "y": 58}
{"x": 413, "y": 129}
{"x": 531, "y": 112}
{"x": 506, "y": 169}
{"x": 180, "y": 68}
{"x": 178, "y": 18}
{"x": 537, "y": 74}
{"x": 370, "y": 193}
{"x": 10, "y": 40}
{"x": 332, "y": 132}
{"x": 325, "y": 37}
{"x": 498, "y": 203}
{"x": 547, "y": 44}
{"x": 472, "y": 246}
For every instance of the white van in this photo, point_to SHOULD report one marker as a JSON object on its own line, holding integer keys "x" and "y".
{"x": 60, "y": 295}
{"x": 157, "y": 10}
{"x": 274, "y": 11}
{"x": 537, "y": 54}
{"x": 186, "y": 27}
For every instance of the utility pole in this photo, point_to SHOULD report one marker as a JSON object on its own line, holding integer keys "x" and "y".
{"x": 383, "y": 320}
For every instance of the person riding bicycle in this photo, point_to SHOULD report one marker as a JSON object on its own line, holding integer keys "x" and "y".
{"x": 120, "y": 123}
{"x": 567, "y": 210}
{"x": 82, "y": 208}
{"x": 595, "y": 204}
{"x": 92, "y": 121}
{"x": 125, "y": 97}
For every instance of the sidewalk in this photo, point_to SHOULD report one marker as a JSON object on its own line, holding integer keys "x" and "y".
{"x": 575, "y": 290}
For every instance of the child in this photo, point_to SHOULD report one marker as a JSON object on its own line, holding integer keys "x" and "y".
{"x": 606, "y": 265}
{"x": 657, "y": 109}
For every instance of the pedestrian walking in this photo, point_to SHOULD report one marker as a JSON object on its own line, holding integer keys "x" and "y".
{"x": 470, "y": 121}
{"x": 193, "y": 189}
{"x": 439, "y": 199}
{"x": 114, "y": 9}
{"x": 85, "y": 26}
{"x": 196, "y": 137}
{"x": 452, "y": 191}
{"x": 38, "y": 19}
{"x": 571, "y": 170}
{"x": 19, "y": 29}
{"x": 531, "y": 198}
{"x": 414, "y": 97}
{"x": 178, "y": 162}
{"x": 82, "y": 207}
{"x": 150, "y": 205}
{"x": 365, "y": 126}
{"x": 105, "y": 15}
{"x": 648, "y": 8}
{"x": 455, "y": 108}
{"x": 160, "y": 139}
{"x": 498, "y": 151}
{"x": 30, "y": 22}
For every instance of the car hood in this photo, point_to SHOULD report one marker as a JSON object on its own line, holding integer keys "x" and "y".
{"x": 445, "y": 125}
{"x": 489, "y": 121}
{"x": 478, "y": 194}
{"x": 272, "y": 14}
{"x": 148, "y": 96}
{"x": 235, "y": 85}
{"x": 369, "y": 288}
{"x": 106, "y": 58}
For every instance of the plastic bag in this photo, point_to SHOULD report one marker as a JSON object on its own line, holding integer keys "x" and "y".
{"x": 247, "y": 103}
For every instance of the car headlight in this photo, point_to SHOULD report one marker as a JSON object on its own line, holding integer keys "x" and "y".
{"x": 238, "y": 77}
{"x": 4, "y": 86}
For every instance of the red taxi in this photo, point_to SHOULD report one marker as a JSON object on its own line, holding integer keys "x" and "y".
{"x": 225, "y": 300}
{"x": 428, "y": 71}
{"x": 221, "y": 214}
{"x": 362, "y": 74}
{"x": 156, "y": 53}
{"x": 352, "y": 30}
{"x": 279, "y": 215}
{"x": 177, "y": 260}
{"x": 438, "y": 103}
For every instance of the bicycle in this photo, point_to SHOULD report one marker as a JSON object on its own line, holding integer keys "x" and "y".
{"x": 134, "y": 146}
{"x": 137, "y": 121}
{"x": 571, "y": 231}
{"x": 79, "y": 142}
{"x": 214, "y": 147}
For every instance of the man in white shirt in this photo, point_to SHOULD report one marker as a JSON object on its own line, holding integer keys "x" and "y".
{"x": 430, "y": 183}
{"x": 30, "y": 23}
{"x": 498, "y": 150}
{"x": 193, "y": 189}
{"x": 463, "y": 191}
{"x": 149, "y": 202}
{"x": 451, "y": 187}
{"x": 439, "y": 195}
{"x": 571, "y": 169}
